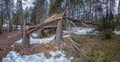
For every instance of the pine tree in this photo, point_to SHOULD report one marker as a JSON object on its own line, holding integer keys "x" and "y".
{"x": 107, "y": 25}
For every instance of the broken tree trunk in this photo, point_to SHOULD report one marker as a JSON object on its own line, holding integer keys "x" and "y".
{"x": 26, "y": 39}
{"x": 55, "y": 17}
{"x": 26, "y": 34}
{"x": 79, "y": 21}
{"x": 51, "y": 19}
{"x": 59, "y": 34}
{"x": 59, "y": 31}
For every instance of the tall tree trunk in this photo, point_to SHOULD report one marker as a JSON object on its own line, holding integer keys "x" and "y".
{"x": 1, "y": 26}
{"x": 10, "y": 25}
{"x": 119, "y": 7}
{"x": 20, "y": 10}
{"x": 7, "y": 3}
{"x": 25, "y": 36}
{"x": 1, "y": 16}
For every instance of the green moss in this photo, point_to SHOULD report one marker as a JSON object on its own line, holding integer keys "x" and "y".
{"x": 106, "y": 26}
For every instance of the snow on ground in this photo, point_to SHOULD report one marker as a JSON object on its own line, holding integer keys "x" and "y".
{"x": 56, "y": 56}
{"x": 117, "y": 32}
{"x": 75, "y": 30}
{"x": 5, "y": 25}
{"x": 40, "y": 41}
{"x": 80, "y": 30}
{"x": 34, "y": 34}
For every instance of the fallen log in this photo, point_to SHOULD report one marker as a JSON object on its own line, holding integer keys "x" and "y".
{"x": 77, "y": 20}
{"x": 41, "y": 28}
{"x": 51, "y": 19}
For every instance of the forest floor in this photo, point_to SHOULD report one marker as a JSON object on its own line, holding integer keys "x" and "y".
{"x": 98, "y": 50}
{"x": 6, "y": 40}
{"x": 93, "y": 48}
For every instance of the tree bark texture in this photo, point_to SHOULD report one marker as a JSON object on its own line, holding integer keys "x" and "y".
{"x": 59, "y": 34}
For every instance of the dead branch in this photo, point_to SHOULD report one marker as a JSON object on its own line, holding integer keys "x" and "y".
{"x": 77, "y": 20}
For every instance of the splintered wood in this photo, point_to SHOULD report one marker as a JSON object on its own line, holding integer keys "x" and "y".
{"x": 51, "y": 19}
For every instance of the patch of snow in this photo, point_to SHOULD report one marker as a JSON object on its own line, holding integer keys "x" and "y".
{"x": 12, "y": 56}
{"x": 9, "y": 36}
{"x": 12, "y": 45}
{"x": 117, "y": 32}
{"x": 75, "y": 30}
{"x": 34, "y": 34}
{"x": 65, "y": 36}
{"x": 19, "y": 27}
{"x": 40, "y": 41}
{"x": 80, "y": 30}
{"x": 19, "y": 41}
{"x": 64, "y": 31}
{"x": 71, "y": 58}
{"x": 5, "y": 25}
{"x": 55, "y": 53}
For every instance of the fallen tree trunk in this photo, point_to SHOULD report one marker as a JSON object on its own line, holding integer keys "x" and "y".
{"x": 52, "y": 19}
{"x": 77, "y": 20}
{"x": 30, "y": 30}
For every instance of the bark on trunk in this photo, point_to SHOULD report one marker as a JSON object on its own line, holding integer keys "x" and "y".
{"x": 26, "y": 40}
{"x": 0, "y": 30}
{"x": 59, "y": 34}
{"x": 0, "y": 26}
{"x": 10, "y": 26}
{"x": 39, "y": 33}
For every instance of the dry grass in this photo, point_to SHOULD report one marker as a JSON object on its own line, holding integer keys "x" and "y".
{"x": 97, "y": 47}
